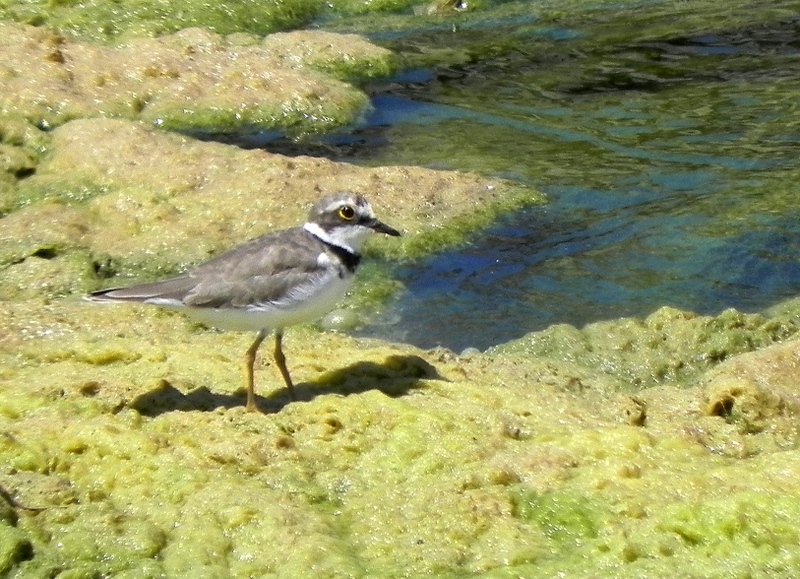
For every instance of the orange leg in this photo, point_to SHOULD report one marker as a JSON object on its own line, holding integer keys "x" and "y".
{"x": 249, "y": 361}
{"x": 280, "y": 359}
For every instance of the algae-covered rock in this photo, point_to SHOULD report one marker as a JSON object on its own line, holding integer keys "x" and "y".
{"x": 21, "y": 146}
{"x": 668, "y": 345}
{"x": 115, "y": 198}
{"x": 43, "y": 251}
{"x": 101, "y": 20}
{"x": 655, "y": 447}
{"x": 193, "y": 79}
{"x": 346, "y": 56}
{"x": 111, "y": 21}
{"x": 126, "y": 424}
{"x": 758, "y": 397}
{"x": 14, "y": 547}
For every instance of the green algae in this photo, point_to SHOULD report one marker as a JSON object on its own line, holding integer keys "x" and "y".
{"x": 191, "y": 80}
{"x": 668, "y": 345}
{"x": 522, "y": 463}
{"x": 98, "y": 20}
{"x": 21, "y": 147}
{"x": 111, "y": 22}
{"x": 14, "y": 547}
{"x": 397, "y": 463}
{"x": 555, "y": 32}
{"x": 563, "y": 517}
{"x": 541, "y": 106}
{"x": 346, "y": 58}
{"x": 318, "y": 471}
{"x": 126, "y": 208}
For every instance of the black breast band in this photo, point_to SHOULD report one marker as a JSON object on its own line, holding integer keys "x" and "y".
{"x": 349, "y": 259}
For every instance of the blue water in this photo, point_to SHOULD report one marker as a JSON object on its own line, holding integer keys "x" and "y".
{"x": 670, "y": 164}
{"x": 577, "y": 261}
{"x": 686, "y": 197}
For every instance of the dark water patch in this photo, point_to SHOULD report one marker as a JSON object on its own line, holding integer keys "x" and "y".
{"x": 583, "y": 263}
{"x": 679, "y": 196}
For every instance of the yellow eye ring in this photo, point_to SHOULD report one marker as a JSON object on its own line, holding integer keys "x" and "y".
{"x": 346, "y": 212}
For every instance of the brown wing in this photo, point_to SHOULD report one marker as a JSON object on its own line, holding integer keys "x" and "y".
{"x": 262, "y": 270}
{"x": 170, "y": 289}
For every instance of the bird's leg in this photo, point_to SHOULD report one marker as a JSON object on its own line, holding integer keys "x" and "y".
{"x": 280, "y": 359}
{"x": 249, "y": 361}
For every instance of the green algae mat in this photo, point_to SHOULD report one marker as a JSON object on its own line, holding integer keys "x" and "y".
{"x": 660, "y": 446}
{"x": 625, "y": 449}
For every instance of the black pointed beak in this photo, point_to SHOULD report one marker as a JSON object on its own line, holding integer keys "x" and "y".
{"x": 381, "y": 227}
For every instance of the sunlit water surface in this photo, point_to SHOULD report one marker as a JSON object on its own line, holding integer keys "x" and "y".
{"x": 670, "y": 167}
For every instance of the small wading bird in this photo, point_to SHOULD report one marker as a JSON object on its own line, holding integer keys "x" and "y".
{"x": 277, "y": 280}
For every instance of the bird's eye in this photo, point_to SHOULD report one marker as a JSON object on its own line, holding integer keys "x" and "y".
{"x": 346, "y": 212}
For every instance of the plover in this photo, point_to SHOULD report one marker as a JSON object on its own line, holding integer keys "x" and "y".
{"x": 277, "y": 280}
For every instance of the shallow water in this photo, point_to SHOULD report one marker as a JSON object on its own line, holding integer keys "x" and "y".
{"x": 671, "y": 168}
{"x": 667, "y": 143}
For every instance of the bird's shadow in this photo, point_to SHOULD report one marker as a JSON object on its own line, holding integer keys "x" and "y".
{"x": 395, "y": 376}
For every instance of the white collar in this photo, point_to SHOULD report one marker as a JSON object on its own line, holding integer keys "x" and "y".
{"x": 323, "y": 235}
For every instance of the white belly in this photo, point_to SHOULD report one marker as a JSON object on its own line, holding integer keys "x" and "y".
{"x": 304, "y": 308}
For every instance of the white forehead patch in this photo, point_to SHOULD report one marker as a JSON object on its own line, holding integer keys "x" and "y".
{"x": 363, "y": 208}
{"x": 333, "y": 206}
